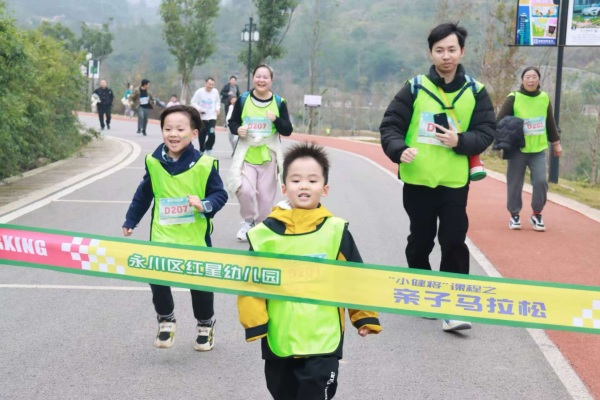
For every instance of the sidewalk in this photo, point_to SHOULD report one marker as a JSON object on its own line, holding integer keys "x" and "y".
{"x": 100, "y": 155}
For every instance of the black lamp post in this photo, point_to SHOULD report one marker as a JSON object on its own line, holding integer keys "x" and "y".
{"x": 250, "y": 34}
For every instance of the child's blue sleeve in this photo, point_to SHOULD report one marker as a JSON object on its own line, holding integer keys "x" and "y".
{"x": 215, "y": 192}
{"x": 142, "y": 199}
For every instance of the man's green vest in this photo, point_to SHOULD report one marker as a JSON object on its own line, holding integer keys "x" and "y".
{"x": 173, "y": 219}
{"x": 435, "y": 164}
{"x": 256, "y": 117}
{"x": 301, "y": 329}
{"x": 533, "y": 110}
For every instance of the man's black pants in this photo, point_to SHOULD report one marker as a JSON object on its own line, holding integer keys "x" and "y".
{"x": 424, "y": 207}
{"x": 207, "y": 135}
{"x": 312, "y": 378}
{"x": 102, "y": 111}
{"x": 202, "y": 302}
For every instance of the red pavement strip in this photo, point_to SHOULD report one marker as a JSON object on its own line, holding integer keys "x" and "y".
{"x": 561, "y": 254}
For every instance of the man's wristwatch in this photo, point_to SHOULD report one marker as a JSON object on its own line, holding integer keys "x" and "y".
{"x": 207, "y": 206}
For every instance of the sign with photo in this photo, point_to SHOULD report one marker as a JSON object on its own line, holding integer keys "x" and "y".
{"x": 583, "y": 23}
{"x": 537, "y": 23}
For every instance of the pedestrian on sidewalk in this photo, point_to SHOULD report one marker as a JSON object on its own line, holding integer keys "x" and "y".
{"x": 433, "y": 160}
{"x": 206, "y": 101}
{"x": 104, "y": 106}
{"x": 534, "y": 107}
{"x": 142, "y": 101}
{"x": 187, "y": 192}
{"x": 258, "y": 118}
{"x": 302, "y": 343}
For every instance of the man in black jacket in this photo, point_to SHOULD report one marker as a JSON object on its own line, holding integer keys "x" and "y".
{"x": 433, "y": 159}
{"x": 105, "y": 105}
{"x": 231, "y": 89}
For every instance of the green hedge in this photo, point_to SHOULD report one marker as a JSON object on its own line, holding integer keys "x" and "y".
{"x": 40, "y": 86}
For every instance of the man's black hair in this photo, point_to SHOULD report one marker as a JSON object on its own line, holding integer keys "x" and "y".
{"x": 303, "y": 150}
{"x": 444, "y": 30}
{"x": 233, "y": 76}
{"x": 145, "y": 82}
{"x": 192, "y": 113}
{"x": 210, "y": 78}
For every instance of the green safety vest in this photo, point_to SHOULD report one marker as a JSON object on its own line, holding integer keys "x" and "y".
{"x": 301, "y": 329}
{"x": 173, "y": 220}
{"x": 533, "y": 111}
{"x": 251, "y": 113}
{"x": 435, "y": 164}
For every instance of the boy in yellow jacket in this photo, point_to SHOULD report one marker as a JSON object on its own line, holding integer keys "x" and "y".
{"x": 301, "y": 342}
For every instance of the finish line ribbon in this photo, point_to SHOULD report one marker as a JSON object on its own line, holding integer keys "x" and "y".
{"x": 386, "y": 289}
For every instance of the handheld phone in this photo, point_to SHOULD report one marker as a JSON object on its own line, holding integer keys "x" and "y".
{"x": 442, "y": 120}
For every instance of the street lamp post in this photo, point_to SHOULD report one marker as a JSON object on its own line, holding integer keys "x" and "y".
{"x": 250, "y": 34}
{"x": 88, "y": 59}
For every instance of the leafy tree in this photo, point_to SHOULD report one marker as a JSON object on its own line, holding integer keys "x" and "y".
{"x": 36, "y": 124}
{"x": 97, "y": 41}
{"x": 274, "y": 20}
{"x": 62, "y": 34}
{"x": 188, "y": 32}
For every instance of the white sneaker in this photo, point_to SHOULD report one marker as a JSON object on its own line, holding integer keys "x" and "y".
{"x": 165, "y": 335}
{"x": 449, "y": 325}
{"x": 514, "y": 223}
{"x": 206, "y": 336}
{"x": 208, "y": 152}
{"x": 537, "y": 222}
{"x": 246, "y": 226}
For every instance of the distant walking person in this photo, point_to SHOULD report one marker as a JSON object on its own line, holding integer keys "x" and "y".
{"x": 125, "y": 100}
{"x": 230, "y": 89}
{"x": 534, "y": 107}
{"x": 142, "y": 101}
{"x": 206, "y": 101}
{"x": 105, "y": 104}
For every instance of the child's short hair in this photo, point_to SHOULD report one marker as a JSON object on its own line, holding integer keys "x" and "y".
{"x": 305, "y": 149}
{"x": 192, "y": 113}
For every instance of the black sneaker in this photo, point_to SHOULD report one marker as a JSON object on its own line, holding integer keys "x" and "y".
{"x": 206, "y": 336}
{"x": 144, "y": 133}
{"x": 139, "y": 132}
{"x": 537, "y": 222}
{"x": 165, "y": 335}
{"x": 108, "y": 127}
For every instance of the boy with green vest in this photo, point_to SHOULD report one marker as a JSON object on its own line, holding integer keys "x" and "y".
{"x": 187, "y": 192}
{"x": 433, "y": 160}
{"x": 302, "y": 343}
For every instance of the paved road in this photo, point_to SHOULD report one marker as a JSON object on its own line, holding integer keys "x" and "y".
{"x": 75, "y": 337}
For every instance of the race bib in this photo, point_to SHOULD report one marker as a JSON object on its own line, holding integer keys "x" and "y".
{"x": 534, "y": 126}
{"x": 259, "y": 127}
{"x": 173, "y": 211}
{"x": 426, "y": 130}
{"x": 144, "y": 100}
